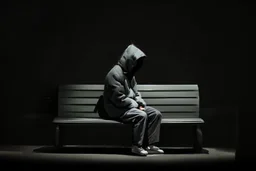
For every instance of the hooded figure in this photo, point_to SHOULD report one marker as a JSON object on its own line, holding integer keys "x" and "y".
{"x": 124, "y": 103}
{"x": 120, "y": 93}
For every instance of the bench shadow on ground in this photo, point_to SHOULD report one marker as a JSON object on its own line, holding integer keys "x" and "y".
{"x": 120, "y": 151}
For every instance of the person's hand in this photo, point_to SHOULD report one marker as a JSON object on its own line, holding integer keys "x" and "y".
{"x": 141, "y": 108}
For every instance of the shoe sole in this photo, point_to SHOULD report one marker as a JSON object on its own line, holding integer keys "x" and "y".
{"x": 139, "y": 154}
{"x": 155, "y": 152}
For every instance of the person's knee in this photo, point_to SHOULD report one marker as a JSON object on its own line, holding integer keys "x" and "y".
{"x": 143, "y": 115}
{"x": 158, "y": 114}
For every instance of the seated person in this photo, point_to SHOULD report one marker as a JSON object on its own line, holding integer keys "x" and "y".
{"x": 124, "y": 103}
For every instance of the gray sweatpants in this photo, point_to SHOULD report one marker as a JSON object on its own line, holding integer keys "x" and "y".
{"x": 146, "y": 125}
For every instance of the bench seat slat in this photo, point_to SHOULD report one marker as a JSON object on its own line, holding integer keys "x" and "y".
{"x": 62, "y": 120}
{"x": 90, "y": 108}
{"x": 150, "y": 94}
{"x": 164, "y": 115}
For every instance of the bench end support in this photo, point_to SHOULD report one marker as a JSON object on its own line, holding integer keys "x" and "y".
{"x": 57, "y": 136}
{"x": 198, "y": 139}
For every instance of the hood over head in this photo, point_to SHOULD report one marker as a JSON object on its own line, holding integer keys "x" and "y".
{"x": 131, "y": 59}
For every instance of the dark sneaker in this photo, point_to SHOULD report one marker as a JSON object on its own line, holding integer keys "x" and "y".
{"x": 154, "y": 150}
{"x": 139, "y": 151}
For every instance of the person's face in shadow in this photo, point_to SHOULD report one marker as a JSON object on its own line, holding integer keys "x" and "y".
{"x": 138, "y": 65}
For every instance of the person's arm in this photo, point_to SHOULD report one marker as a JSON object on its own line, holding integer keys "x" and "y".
{"x": 117, "y": 95}
{"x": 138, "y": 96}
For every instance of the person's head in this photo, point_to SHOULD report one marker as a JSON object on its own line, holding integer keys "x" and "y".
{"x": 131, "y": 60}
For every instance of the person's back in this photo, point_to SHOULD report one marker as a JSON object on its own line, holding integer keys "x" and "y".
{"x": 123, "y": 102}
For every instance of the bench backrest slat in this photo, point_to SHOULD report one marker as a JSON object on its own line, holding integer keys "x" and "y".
{"x": 171, "y": 100}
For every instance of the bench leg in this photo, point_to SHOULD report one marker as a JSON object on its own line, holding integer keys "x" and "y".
{"x": 57, "y": 136}
{"x": 198, "y": 139}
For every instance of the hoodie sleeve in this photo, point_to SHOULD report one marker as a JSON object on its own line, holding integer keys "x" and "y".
{"x": 138, "y": 96}
{"x": 117, "y": 95}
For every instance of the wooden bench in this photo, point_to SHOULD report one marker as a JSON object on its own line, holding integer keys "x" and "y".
{"x": 179, "y": 104}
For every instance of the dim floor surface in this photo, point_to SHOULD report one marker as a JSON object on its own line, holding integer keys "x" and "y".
{"x": 46, "y": 156}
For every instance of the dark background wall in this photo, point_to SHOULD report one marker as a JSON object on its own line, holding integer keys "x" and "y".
{"x": 187, "y": 43}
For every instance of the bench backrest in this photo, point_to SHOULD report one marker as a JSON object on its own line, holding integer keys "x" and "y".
{"x": 174, "y": 101}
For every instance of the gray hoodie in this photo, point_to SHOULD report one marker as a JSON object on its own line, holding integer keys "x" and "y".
{"x": 120, "y": 88}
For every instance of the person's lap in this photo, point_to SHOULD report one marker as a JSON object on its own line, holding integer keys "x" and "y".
{"x": 131, "y": 115}
{"x": 151, "y": 111}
